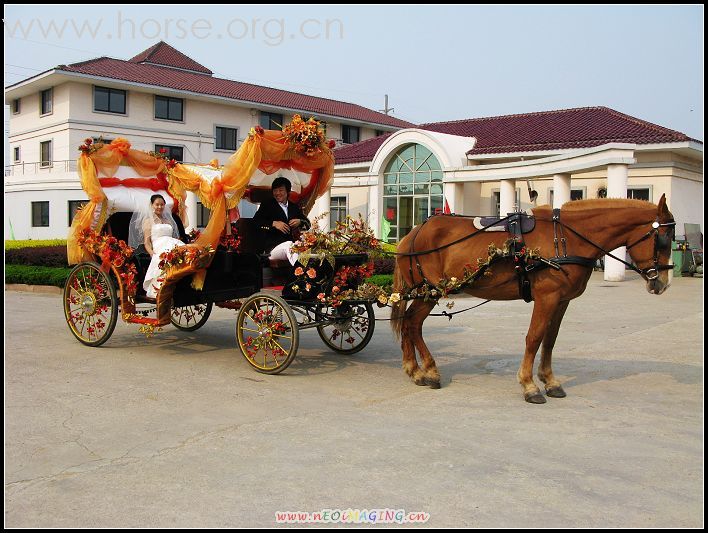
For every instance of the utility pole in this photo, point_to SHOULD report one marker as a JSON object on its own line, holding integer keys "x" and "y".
{"x": 387, "y": 110}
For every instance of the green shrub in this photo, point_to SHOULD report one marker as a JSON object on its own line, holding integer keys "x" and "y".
{"x": 45, "y": 256}
{"x": 34, "y": 275}
{"x": 381, "y": 280}
{"x": 30, "y": 243}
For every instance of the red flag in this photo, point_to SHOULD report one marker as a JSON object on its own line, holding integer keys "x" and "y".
{"x": 447, "y": 208}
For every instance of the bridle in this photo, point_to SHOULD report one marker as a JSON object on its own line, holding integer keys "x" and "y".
{"x": 661, "y": 242}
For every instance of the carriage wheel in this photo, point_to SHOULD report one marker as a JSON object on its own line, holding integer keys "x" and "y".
{"x": 90, "y": 304}
{"x": 267, "y": 333}
{"x": 190, "y": 317}
{"x": 350, "y": 329}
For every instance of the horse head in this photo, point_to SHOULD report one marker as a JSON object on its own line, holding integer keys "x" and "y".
{"x": 650, "y": 249}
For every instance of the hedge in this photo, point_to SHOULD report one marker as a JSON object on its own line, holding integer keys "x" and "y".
{"x": 30, "y": 243}
{"x": 45, "y": 256}
{"x": 35, "y": 275}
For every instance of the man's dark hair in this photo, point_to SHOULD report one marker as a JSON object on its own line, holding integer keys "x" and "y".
{"x": 280, "y": 181}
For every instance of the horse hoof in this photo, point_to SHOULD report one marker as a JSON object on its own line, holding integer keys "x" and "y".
{"x": 536, "y": 397}
{"x": 556, "y": 392}
{"x": 433, "y": 383}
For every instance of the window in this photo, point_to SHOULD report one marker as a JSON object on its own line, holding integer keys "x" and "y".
{"x": 16, "y": 154}
{"x": 202, "y": 215}
{"x": 173, "y": 152}
{"x": 350, "y": 134}
{"x": 74, "y": 206}
{"x": 271, "y": 121}
{"x": 413, "y": 190}
{"x": 169, "y": 108}
{"x": 40, "y": 214}
{"x": 102, "y": 140}
{"x": 378, "y": 133}
{"x": 496, "y": 199}
{"x": 337, "y": 210}
{"x": 639, "y": 193}
{"x": 46, "y": 99}
{"x": 109, "y": 100}
{"x": 45, "y": 153}
{"x": 577, "y": 193}
{"x": 16, "y": 106}
{"x": 225, "y": 138}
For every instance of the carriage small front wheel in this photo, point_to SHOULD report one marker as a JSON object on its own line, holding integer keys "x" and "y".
{"x": 349, "y": 328}
{"x": 90, "y": 304}
{"x": 190, "y": 317}
{"x": 267, "y": 333}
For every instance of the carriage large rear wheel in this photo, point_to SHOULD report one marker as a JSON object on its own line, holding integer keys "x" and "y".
{"x": 190, "y": 317}
{"x": 267, "y": 333}
{"x": 90, "y": 304}
{"x": 350, "y": 328}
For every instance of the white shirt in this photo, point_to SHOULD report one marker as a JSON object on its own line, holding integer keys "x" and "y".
{"x": 284, "y": 207}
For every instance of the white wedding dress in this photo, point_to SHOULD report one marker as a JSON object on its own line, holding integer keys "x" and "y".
{"x": 162, "y": 241}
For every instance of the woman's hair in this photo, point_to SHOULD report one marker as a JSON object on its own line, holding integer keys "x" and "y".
{"x": 280, "y": 181}
{"x": 155, "y": 197}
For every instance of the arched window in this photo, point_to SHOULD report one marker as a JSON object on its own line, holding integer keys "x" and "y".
{"x": 413, "y": 190}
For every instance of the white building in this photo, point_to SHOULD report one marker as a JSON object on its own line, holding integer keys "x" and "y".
{"x": 159, "y": 98}
{"x": 486, "y": 166}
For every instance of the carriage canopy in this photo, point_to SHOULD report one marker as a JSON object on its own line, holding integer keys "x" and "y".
{"x": 118, "y": 178}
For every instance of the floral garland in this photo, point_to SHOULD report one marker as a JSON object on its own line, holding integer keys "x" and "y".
{"x": 115, "y": 252}
{"x": 90, "y": 146}
{"x": 232, "y": 242}
{"x": 162, "y": 154}
{"x": 180, "y": 255}
{"x": 305, "y": 137}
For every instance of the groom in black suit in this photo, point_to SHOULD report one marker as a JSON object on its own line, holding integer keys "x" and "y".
{"x": 280, "y": 221}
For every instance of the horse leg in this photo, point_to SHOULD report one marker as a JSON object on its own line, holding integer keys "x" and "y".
{"x": 545, "y": 372}
{"x": 542, "y": 309}
{"x": 430, "y": 376}
{"x": 410, "y": 363}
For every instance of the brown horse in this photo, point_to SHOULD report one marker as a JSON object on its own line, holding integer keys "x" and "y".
{"x": 591, "y": 228}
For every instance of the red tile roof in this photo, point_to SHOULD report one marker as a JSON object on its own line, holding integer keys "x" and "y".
{"x": 139, "y": 70}
{"x": 549, "y": 130}
{"x": 163, "y": 54}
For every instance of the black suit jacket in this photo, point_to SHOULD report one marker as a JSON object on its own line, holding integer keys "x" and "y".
{"x": 270, "y": 211}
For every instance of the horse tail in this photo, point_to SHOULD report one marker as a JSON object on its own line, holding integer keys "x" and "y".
{"x": 398, "y": 309}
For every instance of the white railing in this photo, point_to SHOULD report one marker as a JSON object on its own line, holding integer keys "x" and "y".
{"x": 21, "y": 169}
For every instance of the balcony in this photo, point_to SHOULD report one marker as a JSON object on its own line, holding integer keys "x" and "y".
{"x": 29, "y": 169}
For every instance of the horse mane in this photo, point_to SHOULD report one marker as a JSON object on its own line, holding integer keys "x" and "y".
{"x": 581, "y": 205}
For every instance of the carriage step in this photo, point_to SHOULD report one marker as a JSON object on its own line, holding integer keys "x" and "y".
{"x": 140, "y": 299}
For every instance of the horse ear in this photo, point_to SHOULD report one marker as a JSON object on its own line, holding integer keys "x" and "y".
{"x": 662, "y": 204}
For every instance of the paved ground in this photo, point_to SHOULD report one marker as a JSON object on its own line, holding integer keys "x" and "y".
{"x": 179, "y": 431}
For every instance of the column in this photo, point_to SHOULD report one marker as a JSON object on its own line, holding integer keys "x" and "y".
{"x": 507, "y": 197}
{"x": 190, "y": 203}
{"x": 616, "y": 188}
{"x": 454, "y": 195}
{"x": 322, "y": 205}
{"x": 561, "y": 190}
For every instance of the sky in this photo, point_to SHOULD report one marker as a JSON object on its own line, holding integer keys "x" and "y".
{"x": 434, "y": 62}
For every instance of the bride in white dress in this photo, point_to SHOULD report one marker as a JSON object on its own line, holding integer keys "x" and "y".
{"x": 159, "y": 232}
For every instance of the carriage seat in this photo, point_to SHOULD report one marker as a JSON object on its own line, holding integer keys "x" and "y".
{"x": 511, "y": 225}
{"x": 252, "y": 241}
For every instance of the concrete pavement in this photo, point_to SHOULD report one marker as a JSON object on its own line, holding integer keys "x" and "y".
{"x": 179, "y": 431}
